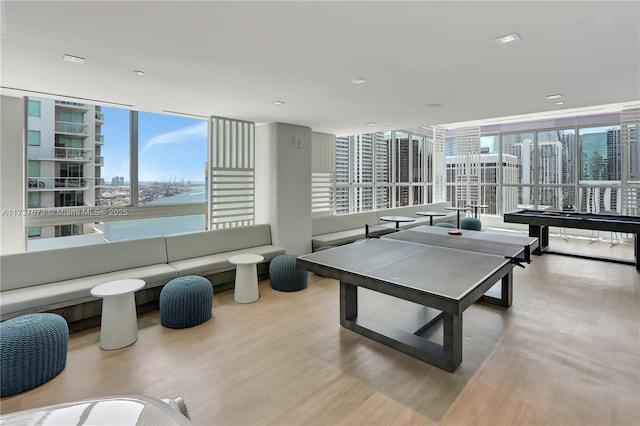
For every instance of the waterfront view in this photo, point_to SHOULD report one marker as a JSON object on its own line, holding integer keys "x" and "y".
{"x": 120, "y": 195}
{"x": 158, "y": 226}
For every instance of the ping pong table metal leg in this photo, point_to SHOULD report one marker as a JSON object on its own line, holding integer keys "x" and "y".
{"x": 348, "y": 302}
{"x": 452, "y": 341}
{"x": 541, "y": 232}
{"x": 447, "y": 356}
{"x": 506, "y": 292}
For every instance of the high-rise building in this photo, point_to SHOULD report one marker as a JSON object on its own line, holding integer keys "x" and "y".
{"x": 64, "y": 160}
{"x": 489, "y": 165}
{"x": 613, "y": 154}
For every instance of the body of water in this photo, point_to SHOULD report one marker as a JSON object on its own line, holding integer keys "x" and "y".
{"x": 158, "y": 226}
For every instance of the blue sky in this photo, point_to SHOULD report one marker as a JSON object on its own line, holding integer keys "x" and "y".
{"x": 169, "y": 147}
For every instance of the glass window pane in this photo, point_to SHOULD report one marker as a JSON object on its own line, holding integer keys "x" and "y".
{"x": 34, "y": 232}
{"x": 402, "y": 196}
{"x": 34, "y": 168}
{"x": 401, "y": 158}
{"x": 556, "y": 156}
{"x": 33, "y": 199}
{"x": 33, "y": 138}
{"x": 517, "y": 197}
{"x": 68, "y": 198}
{"x": 488, "y": 195}
{"x": 555, "y": 197}
{"x": 70, "y": 116}
{"x": 383, "y": 157}
{"x": 342, "y": 200}
{"x": 362, "y": 199}
{"x": 172, "y": 154}
{"x": 517, "y": 150}
{"x": 600, "y": 199}
{"x": 599, "y": 154}
{"x": 489, "y": 144}
{"x": 428, "y": 172}
{"x": 342, "y": 160}
{"x": 362, "y": 158}
{"x": 383, "y": 197}
{"x": 631, "y": 170}
{"x": 418, "y": 194}
{"x": 450, "y": 146}
{"x": 417, "y": 158}
{"x": 33, "y": 108}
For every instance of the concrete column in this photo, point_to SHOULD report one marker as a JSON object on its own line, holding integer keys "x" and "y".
{"x": 283, "y": 184}
{"x": 12, "y": 183}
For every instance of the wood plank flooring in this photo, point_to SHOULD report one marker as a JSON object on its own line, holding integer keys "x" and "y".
{"x": 566, "y": 353}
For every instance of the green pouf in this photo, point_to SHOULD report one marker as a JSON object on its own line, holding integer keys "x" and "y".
{"x": 33, "y": 350}
{"x": 285, "y": 275}
{"x": 471, "y": 223}
{"x": 186, "y": 302}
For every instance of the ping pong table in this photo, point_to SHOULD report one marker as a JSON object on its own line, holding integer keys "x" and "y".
{"x": 426, "y": 265}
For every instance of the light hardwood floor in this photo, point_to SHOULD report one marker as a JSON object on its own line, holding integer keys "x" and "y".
{"x": 566, "y": 353}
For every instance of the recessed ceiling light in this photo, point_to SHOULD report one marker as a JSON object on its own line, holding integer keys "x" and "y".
{"x": 371, "y": 123}
{"x": 138, "y": 72}
{"x": 556, "y": 96}
{"x": 278, "y": 102}
{"x": 358, "y": 80}
{"x": 434, "y": 105}
{"x": 559, "y": 103}
{"x": 508, "y": 38}
{"x": 71, "y": 58}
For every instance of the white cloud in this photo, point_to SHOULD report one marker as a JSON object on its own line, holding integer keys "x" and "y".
{"x": 179, "y": 136}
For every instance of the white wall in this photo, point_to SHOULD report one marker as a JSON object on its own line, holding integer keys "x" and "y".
{"x": 12, "y": 183}
{"x": 283, "y": 184}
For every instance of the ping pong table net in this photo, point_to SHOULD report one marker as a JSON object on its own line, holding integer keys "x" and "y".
{"x": 516, "y": 253}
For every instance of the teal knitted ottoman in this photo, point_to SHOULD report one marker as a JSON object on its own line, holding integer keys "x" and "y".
{"x": 186, "y": 302}
{"x": 285, "y": 275}
{"x": 33, "y": 350}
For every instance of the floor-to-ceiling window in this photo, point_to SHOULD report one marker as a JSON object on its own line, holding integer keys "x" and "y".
{"x": 570, "y": 163}
{"x": 600, "y": 169}
{"x": 86, "y": 160}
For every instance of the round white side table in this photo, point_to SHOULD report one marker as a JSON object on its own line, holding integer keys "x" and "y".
{"x": 119, "y": 325}
{"x": 246, "y": 289}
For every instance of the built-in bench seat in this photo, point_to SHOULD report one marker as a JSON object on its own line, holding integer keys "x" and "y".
{"x": 60, "y": 280}
{"x": 344, "y": 229}
{"x": 208, "y": 252}
{"x": 52, "y": 279}
{"x": 339, "y": 230}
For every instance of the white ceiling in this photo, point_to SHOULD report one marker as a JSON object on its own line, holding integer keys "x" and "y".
{"x": 234, "y": 59}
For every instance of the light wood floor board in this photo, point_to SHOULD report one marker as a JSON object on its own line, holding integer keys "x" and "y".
{"x": 566, "y": 353}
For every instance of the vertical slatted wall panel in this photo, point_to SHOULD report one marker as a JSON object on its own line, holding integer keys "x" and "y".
{"x": 467, "y": 166}
{"x": 323, "y": 174}
{"x": 439, "y": 165}
{"x": 231, "y": 173}
{"x": 630, "y": 160}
